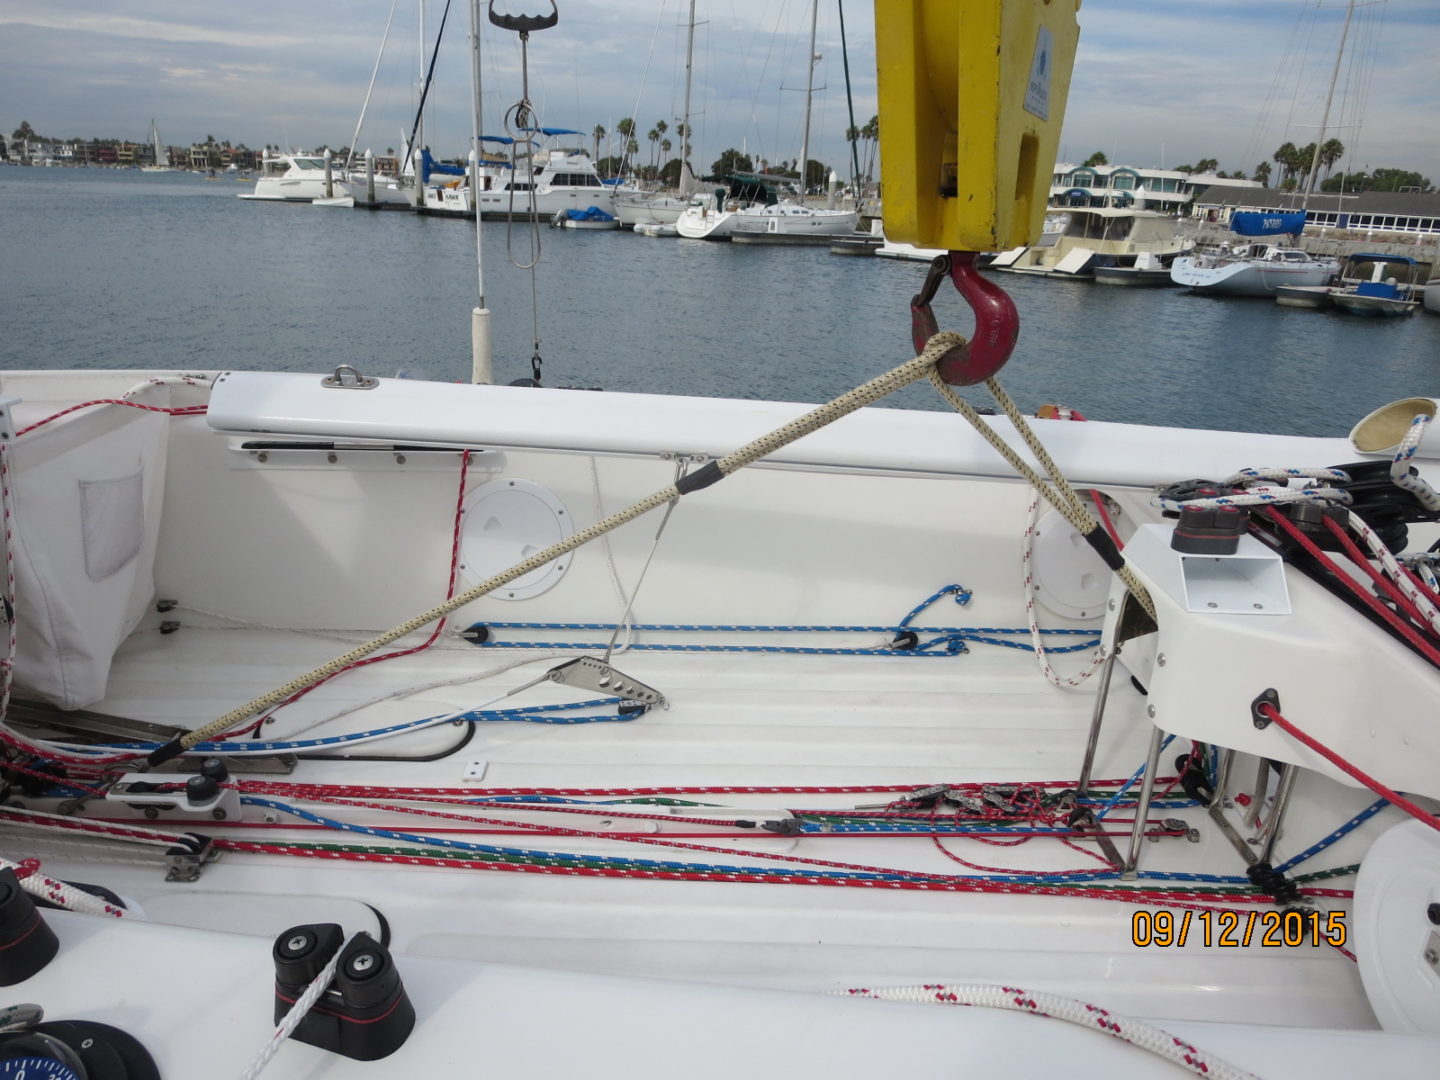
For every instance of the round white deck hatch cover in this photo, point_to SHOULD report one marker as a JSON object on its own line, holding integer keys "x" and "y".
{"x": 1392, "y": 934}
{"x": 1070, "y": 579}
{"x": 505, "y": 522}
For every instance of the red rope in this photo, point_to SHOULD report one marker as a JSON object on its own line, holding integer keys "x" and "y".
{"x": 1104, "y": 515}
{"x": 185, "y": 410}
{"x": 1344, "y": 766}
{"x": 1383, "y": 583}
{"x": 1401, "y": 627}
{"x": 434, "y": 634}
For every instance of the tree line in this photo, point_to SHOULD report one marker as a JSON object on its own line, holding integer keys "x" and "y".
{"x": 1295, "y": 163}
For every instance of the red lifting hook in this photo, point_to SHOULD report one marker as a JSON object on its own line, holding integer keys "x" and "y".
{"x": 997, "y": 323}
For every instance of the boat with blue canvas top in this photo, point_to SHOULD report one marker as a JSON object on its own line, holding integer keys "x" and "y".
{"x": 1254, "y": 269}
{"x": 590, "y": 218}
{"x": 1383, "y": 295}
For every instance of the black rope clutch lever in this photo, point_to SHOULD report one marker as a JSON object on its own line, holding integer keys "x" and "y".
{"x": 523, "y": 24}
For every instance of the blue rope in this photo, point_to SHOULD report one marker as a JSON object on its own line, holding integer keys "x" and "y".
{"x": 950, "y": 640}
{"x": 1320, "y": 845}
{"x": 685, "y": 867}
{"x": 601, "y": 860}
{"x": 1130, "y": 783}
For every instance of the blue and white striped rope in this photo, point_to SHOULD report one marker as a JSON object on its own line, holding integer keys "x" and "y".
{"x": 1320, "y": 845}
{"x": 713, "y": 868}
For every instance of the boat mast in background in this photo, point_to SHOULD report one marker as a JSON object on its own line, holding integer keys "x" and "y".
{"x": 1325, "y": 117}
{"x": 481, "y": 353}
{"x": 687, "y": 173}
{"x": 809, "y": 93}
{"x": 385, "y": 37}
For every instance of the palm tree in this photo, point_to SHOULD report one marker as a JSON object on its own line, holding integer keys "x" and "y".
{"x": 626, "y": 129}
{"x": 631, "y": 148}
{"x": 1262, "y": 173}
{"x": 598, "y": 134}
{"x": 1331, "y": 151}
{"x": 871, "y": 133}
{"x": 654, "y": 136}
{"x": 1285, "y": 158}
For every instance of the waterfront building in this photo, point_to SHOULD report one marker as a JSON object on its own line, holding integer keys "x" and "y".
{"x": 1122, "y": 187}
{"x": 1368, "y": 215}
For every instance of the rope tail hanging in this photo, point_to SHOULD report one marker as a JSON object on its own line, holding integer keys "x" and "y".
{"x": 521, "y": 122}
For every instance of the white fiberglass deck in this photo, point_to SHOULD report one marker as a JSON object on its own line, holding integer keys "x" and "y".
{"x": 735, "y": 720}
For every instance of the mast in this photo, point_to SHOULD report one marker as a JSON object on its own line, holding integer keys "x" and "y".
{"x": 1325, "y": 118}
{"x": 350, "y": 156}
{"x": 850, "y": 104}
{"x": 809, "y": 91}
{"x": 685, "y": 138}
{"x": 417, "y": 134}
{"x": 481, "y": 364}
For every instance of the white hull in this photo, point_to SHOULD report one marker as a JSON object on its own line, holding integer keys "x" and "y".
{"x": 1381, "y": 306}
{"x": 785, "y": 220}
{"x": 781, "y": 758}
{"x": 662, "y": 210}
{"x": 1431, "y": 299}
{"x": 891, "y": 249}
{"x": 282, "y": 189}
{"x": 1224, "y": 276}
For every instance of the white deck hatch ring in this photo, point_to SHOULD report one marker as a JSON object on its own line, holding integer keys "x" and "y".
{"x": 1070, "y": 579}
{"x": 506, "y": 521}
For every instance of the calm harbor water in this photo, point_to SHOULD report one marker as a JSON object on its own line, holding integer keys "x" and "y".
{"x": 106, "y": 269}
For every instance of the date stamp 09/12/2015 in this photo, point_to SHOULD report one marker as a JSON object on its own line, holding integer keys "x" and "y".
{"x": 1238, "y": 930}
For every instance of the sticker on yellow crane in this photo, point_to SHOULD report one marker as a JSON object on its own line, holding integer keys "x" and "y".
{"x": 972, "y": 96}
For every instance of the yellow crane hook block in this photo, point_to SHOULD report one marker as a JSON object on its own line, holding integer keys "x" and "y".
{"x": 972, "y": 96}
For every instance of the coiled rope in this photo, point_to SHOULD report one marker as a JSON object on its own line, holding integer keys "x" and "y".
{"x": 1057, "y": 491}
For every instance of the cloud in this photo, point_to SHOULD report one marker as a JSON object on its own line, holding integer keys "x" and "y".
{"x": 1201, "y": 80}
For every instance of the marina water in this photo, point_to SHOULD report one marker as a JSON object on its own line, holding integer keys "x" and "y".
{"x": 117, "y": 269}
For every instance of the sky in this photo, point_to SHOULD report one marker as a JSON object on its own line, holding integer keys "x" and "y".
{"x": 1157, "y": 83}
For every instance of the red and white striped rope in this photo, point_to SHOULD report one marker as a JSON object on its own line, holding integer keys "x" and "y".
{"x": 1135, "y": 1032}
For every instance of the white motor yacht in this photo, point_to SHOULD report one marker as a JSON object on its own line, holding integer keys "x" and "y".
{"x": 292, "y": 178}
{"x": 556, "y": 180}
{"x": 1077, "y": 239}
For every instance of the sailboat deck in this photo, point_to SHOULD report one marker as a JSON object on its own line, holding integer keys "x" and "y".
{"x": 735, "y": 720}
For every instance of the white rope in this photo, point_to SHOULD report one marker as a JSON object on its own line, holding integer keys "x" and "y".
{"x": 66, "y": 823}
{"x": 291, "y": 1020}
{"x": 1400, "y": 467}
{"x": 1135, "y": 1032}
{"x": 628, "y": 623}
{"x": 63, "y": 894}
{"x": 1027, "y": 574}
{"x": 1059, "y": 492}
{"x": 1391, "y": 565}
